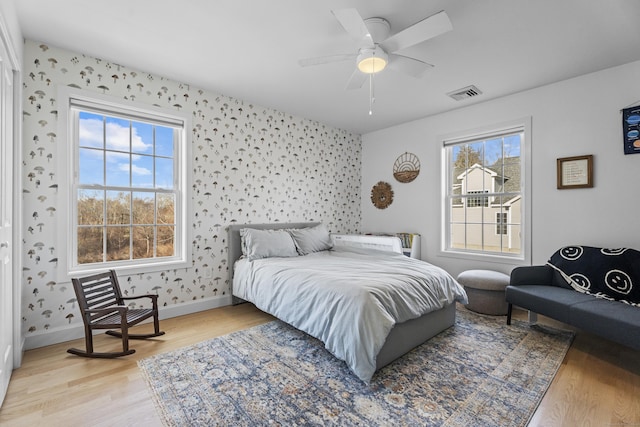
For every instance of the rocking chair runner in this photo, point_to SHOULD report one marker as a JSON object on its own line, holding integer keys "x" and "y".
{"x": 103, "y": 307}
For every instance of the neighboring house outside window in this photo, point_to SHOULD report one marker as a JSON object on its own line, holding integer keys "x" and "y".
{"x": 127, "y": 191}
{"x": 484, "y": 193}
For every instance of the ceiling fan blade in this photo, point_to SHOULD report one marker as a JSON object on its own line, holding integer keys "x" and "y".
{"x": 326, "y": 59}
{"x": 428, "y": 28}
{"x": 411, "y": 66}
{"x": 353, "y": 24}
{"x": 356, "y": 80}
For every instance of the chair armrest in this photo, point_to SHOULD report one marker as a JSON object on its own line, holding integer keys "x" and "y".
{"x": 154, "y": 299}
{"x": 531, "y": 275}
{"x": 152, "y": 296}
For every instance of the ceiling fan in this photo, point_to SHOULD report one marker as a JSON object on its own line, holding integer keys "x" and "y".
{"x": 377, "y": 49}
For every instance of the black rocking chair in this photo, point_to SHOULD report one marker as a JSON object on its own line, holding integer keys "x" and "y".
{"x": 103, "y": 307}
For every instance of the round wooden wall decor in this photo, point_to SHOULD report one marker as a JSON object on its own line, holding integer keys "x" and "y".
{"x": 406, "y": 167}
{"x": 381, "y": 195}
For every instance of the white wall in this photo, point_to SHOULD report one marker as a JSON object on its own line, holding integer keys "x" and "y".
{"x": 574, "y": 117}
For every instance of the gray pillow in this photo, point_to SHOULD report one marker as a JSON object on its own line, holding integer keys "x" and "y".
{"x": 312, "y": 239}
{"x": 258, "y": 244}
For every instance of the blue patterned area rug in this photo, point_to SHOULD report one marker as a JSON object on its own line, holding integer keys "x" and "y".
{"x": 480, "y": 372}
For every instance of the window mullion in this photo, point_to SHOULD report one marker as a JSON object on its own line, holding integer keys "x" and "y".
{"x": 104, "y": 195}
{"x": 155, "y": 199}
{"x": 130, "y": 225}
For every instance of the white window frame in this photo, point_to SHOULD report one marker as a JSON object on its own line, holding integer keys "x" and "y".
{"x": 71, "y": 98}
{"x": 522, "y": 124}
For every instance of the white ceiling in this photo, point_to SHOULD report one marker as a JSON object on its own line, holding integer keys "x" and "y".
{"x": 248, "y": 49}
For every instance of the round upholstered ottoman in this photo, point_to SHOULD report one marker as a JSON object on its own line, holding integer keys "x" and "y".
{"x": 485, "y": 290}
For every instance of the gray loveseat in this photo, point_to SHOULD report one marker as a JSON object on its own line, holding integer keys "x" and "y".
{"x": 541, "y": 289}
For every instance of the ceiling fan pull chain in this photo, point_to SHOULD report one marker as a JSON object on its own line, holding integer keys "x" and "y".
{"x": 371, "y": 98}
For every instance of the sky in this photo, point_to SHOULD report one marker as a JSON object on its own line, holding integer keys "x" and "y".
{"x": 129, "y": 157}
{"x": 493, "y": 148}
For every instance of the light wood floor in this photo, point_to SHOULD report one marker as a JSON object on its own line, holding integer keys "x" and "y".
{"x": 597, "y": 385}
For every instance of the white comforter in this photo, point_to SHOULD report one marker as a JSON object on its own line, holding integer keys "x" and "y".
{"x": 349, "y": 299}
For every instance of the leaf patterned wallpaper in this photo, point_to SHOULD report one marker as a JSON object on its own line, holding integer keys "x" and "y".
{"x": 250, "y": 165}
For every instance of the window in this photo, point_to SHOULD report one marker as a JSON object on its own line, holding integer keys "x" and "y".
{"x": 501, "y": 223}
{"x": 474, "y": 202}
{"x": 127, "y": 193}
{"x": 484, "y": 193}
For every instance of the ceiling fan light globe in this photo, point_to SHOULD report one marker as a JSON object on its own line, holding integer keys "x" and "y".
{"x": 372, "y": 65}
{"x": 371, "y": 61}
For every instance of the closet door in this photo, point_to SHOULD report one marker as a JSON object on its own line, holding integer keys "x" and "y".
{"x": 6, "y": 229}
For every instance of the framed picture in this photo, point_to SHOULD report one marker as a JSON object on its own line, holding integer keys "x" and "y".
{"x": 631, "y": 129}
{"x": 575, "y": 172}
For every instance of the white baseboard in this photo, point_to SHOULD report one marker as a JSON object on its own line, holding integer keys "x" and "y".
{"x": 75, "y": 331}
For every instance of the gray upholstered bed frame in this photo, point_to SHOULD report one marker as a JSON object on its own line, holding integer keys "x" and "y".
{"x": 402, "y": 338}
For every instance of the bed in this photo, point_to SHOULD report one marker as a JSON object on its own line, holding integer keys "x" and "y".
{"x": 357, "y": 300}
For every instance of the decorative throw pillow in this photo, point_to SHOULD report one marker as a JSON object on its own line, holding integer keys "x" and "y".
{"x": 258, "y": 244}
{"x": 311, "y": 239}
{"x": 605, "y": 273}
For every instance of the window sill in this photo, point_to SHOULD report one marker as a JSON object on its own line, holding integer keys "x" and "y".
{"x": 124, "y": 269}
{"x": 489, "y": 258}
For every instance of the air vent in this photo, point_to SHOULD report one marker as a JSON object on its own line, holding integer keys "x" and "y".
{"x": 465, "y": 92}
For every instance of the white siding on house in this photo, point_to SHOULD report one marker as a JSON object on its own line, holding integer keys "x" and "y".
{"x": 474, "y": 223}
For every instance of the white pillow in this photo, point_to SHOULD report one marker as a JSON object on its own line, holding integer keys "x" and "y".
{"x": 266, "y": 243}
{"x": 312, "y": 239}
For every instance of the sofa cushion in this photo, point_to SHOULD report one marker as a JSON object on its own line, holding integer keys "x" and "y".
{"x": 613, "y": 320}
{"x": 604, "y": 273}
{"x": 537, "y": 275}
{"x": 549, "y": 301}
